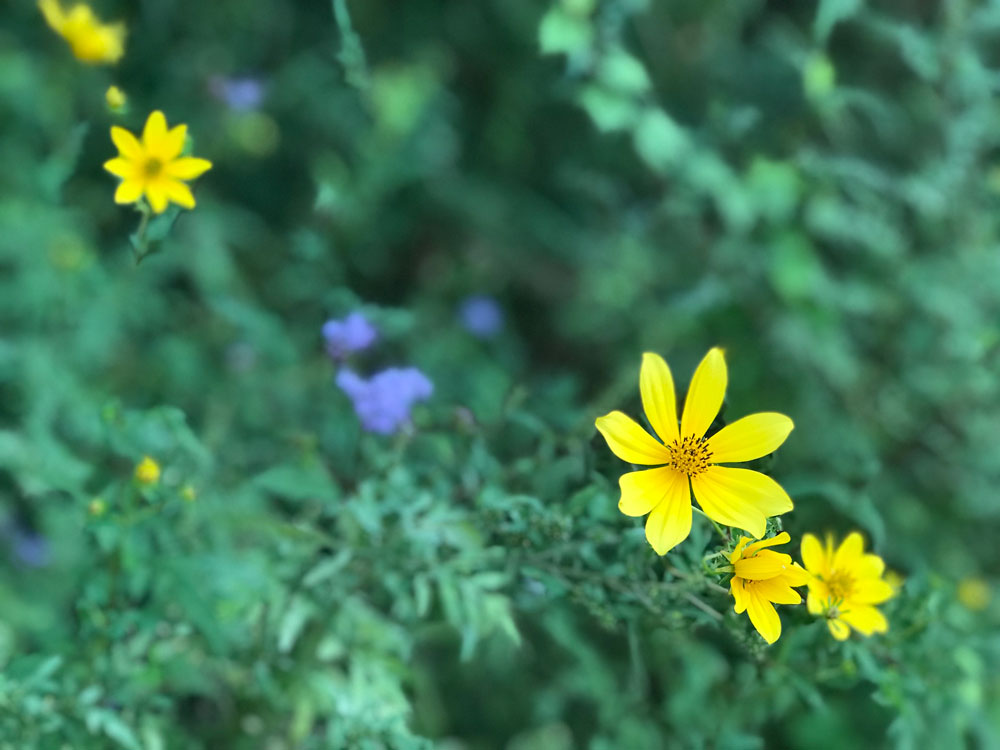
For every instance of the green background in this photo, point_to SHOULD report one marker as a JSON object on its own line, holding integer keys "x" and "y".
{"x": 812, "y": 186}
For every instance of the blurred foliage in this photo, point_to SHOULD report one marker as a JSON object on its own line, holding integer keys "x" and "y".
{"x": 812, "y": 186}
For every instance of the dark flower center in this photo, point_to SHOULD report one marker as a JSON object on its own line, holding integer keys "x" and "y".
{"x": 689, "y": 455}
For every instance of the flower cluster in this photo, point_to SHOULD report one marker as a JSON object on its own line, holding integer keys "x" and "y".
{"x": 91, "y": 41}
{"x": 844, "y": 583}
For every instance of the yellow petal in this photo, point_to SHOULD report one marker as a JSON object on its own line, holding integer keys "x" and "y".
{"x": 750, "y": 437}
{"x": 766, "y": 564}
{"x": 156, "y": 193}
{"x": 763, "y": 615}
{"x": 838, "y": 629}
{"x": 670, "y": 522}
{"x": 722, "y": 507}
{"x": 630, "y": 442}
{"x": 796, "y": 575}
{"x": 120, "y": 167}
{"x": 188, "y": 167}
{"x": 850, "y": 551}
{"x": 737, "y": 553}
{"x": 705, "y": 394}
{"x": 867, "y": 566}
{"x": 868, "y": 591}
{"x": 778, "y": 591}
{"x": 813, "y": 556}
{"x": 55, "y": 17}
{"x": 127, "y": 144}
{"x": 644, "y": 490}
{"x": 815, "y": 601}
{"x": 129, "y": 191}
{"x": 178, "y": 193}
{"x": 866, "y": 620}
{"x": 782, "y": 538}
{"x": 155, "y": 131}
{"x": 172, "y": 143}
{"x": 659, "y": 401}
{"x": 739, "y": 595}
{"x": 752, "y": 487}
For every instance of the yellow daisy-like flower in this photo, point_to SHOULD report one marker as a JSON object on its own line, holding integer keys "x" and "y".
{"x": 731, "y": 496}
{"x": 92, "y": 42}
{"x": 763, "y": 578}
{"x": 154, "y": 167}
{"x": 845, "y": 584}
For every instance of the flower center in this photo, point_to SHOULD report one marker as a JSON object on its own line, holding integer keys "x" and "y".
{"x": 689, "y": 455}
{"x": 841, "y": 585}
{"x": 153, "y": 167}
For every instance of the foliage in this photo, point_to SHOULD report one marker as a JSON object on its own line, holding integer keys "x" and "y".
{"x": 814, "y": 188}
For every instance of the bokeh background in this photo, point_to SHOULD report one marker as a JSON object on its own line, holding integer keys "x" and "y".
{"x": 813, "y": 186}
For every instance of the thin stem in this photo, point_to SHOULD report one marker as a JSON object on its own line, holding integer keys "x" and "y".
{"x": 723, "y": 534}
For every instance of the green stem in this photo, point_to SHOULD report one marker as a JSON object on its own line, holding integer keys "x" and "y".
{"x": 723, "y": 534}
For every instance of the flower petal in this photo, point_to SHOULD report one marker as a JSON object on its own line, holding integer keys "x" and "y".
{"x": 179, "y": 193}
{"x": 670, "y": 522}
{"x": 129, "y": 191}
{"x": 778, "y": 590}
{"x": 644, "y": 490}
{"x": 767, "y": 564}
{"x": 752, "y": 487}
{"x": 156, "y": 193}
{"x": 782, "y": 538}
{"x": 630, "y": 442}
{"x": 737, "y": 552}
{"x": 705, "y": 394}
{"x": 171, "y": 144}
{"x": 796, "y": 575}
{"x": 866, "y": 620}
{"x": 749, "y": 438}
{"x": 188, "y": 167}
{"x": 815, "y": 601}
{"x": 739, "y": 595}
{"x": 838, "y": 629}
{"x": 126, "y": 143}
{"x": 723, "y": 507}
{"x": 813, "y": 556}
{"x": 120, "y": 167}
{"x": 850, "y": 552}
{"x": 762, "y": 614}
{"x": 868, "y": 591}
{"x": 155, "y": 131}
{"x": 659, "y": 401}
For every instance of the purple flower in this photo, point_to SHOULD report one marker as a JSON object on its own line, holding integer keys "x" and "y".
{"x": 383, "y": 402}
{"x": 240, "y": 94}
{"x": 481, "y": 316}
{"x": 30, "y": 549}
{"x": 352, "y": 334}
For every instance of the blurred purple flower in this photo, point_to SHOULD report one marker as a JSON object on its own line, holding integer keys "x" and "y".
{"x": 352, "y": 334}
{"x": 30, "y": 549}
{"x": 481, "y": 316}
{"x": 383, "y": 402}
{"x": 240, "y": 94}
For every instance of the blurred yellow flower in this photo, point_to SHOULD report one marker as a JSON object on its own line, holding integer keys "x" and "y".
{"x": 845, "y": 584}
{"x": 735, "y": 497}
{"x": 154, "y": 167}
{"x": 974, "y": 593}
{"x": 147, "y": 471}
{"x": 115, "y": 98}
{"x": 189, "y": 493}
{"x": 763, "y": 578}
{"x": 92, "y": 42}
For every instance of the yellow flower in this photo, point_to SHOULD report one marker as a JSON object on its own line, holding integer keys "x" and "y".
{"x": 845, "y": 584}
{"x": 154, "y": 167}
{"x": 189, "y": 493}
{"x": 763, "y": 578}
{"x": 147, "y": 471}
{"x": 115, "y": 98}
{"x": 731, "y": 496}
{"x": 92, "y": 42}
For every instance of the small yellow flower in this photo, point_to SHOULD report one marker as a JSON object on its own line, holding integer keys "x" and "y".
{"x": 189, "y": 493}
{"x": 147, "y": 471}
{"x": 763, "y": 578}
{"x": 92, "y": 42}
{"x": 974, "y": 593}
{"x": 154, "y": 167}
{"x": 845, "y": 584}
{"x": 115, "y": 98}
{"x": 735, "y": 497}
